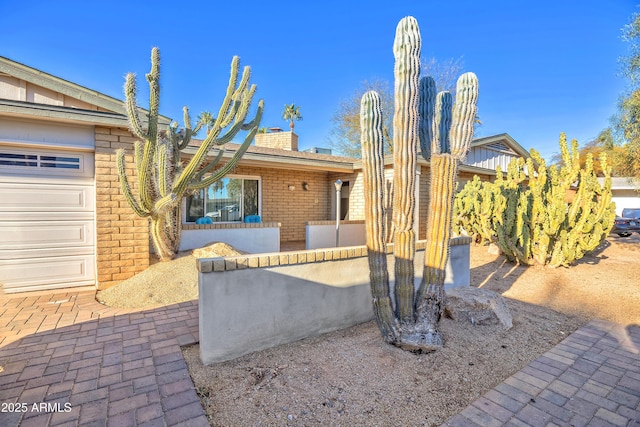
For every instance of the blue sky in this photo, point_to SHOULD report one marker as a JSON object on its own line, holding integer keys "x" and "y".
{"x": 546, "y": 68}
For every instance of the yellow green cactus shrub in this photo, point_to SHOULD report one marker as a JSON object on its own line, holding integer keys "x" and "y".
{"x": 409, "y": 318}
{"x": 163, "y": 178}
{"x": 475, "y": 208}
{"x": 539, "y": 224}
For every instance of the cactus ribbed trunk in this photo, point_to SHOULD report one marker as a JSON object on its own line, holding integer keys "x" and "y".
{"x": 431, "y": 298}
{"x": 165, "y": 233}
{"x": 406, "y": 50}
{"x": 162, "y": 178}
{"x": 373, "y": 174}
{"x": 413, "y": 325}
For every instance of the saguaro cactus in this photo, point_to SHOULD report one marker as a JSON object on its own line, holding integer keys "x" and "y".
{"x": 409, "y": 319}
{"x": 163, "y": 180}
{"x": 450, "y": 131}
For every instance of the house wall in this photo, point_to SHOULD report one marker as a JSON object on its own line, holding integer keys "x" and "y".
{"x": 20, "y": 90}
{"x": 292, "y": 208}
{"x": 625, "y": 199}
{"x": 122, "y": 248}
{"x": 490, "y": 156}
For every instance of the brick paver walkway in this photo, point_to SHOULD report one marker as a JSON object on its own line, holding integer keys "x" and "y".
{"x": 592, "y": 378}
{"x": 93, "y": 365}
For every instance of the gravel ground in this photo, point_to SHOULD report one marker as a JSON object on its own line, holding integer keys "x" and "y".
{"x": 351, "y": 377}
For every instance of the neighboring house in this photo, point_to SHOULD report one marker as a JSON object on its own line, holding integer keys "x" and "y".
{"x": 625, "y": 192}
{"x": 64, "y": 221}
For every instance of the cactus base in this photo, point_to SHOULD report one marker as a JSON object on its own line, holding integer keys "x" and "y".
{"x": 421, "y": 342}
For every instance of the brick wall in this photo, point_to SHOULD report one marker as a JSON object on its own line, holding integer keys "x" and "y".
{"x": 356, "y": 198}
{"x": 423, "y": 200}
{"x": 280, "y": 140}
{"x": 122, "y": 247}
{"x": 292, "y": 208}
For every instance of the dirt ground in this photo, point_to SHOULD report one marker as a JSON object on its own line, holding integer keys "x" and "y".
{"x": 351, "y": 377}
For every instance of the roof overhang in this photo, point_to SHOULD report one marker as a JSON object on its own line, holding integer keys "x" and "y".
{"x": 30, "y": 110}
{"x": 284, "y": 161}
{"x": 67, "y": 88}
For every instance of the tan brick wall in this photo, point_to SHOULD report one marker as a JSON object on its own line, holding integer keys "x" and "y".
{"x": 122, "y": 248}
{"x": 292, "y": 208}
{"x": 280, "y": 140}
{"x": 423, "y": 200}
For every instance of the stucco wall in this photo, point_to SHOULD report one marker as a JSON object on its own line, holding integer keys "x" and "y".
{"x": 251, "y": 238}
{"x": 249, "y": 303}
{"x": 322, "y": 234}
{"x": 625, "y": 199}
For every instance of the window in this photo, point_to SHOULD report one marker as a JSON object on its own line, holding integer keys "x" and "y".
{"x": 42, "y": 161}
{"x": 228, "y": 200}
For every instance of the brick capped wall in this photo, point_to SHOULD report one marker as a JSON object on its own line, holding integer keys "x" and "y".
{"x": 122, "y": 247}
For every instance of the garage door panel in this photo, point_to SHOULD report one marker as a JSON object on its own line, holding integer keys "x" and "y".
{"x": 9, "y": 254}
{"x": 48, "y": 272}
{"x": 17, "y": 197}
{"x": 47, "y": 218}
{"x": 46, "y": 234}
{"x": 50, "y": 216}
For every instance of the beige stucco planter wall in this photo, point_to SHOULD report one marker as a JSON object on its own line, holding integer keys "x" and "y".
{"x": 252, "y": 238}
{"x": 250, "y": 303}
{"x": 322, "y": 234}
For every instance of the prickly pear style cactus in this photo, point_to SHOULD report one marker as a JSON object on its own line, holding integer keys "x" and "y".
{"x": 444, "y": 131}
{"x": 162, "y": 178}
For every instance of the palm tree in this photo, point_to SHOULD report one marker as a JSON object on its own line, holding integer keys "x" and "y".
{"x": 207, "y": 120}
{"x": 291, "y": 112}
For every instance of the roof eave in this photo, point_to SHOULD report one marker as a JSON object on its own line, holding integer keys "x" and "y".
{"x": 32, "y": 110}
{"x": 283, "y": 161}
{"x": 63, "y": 114}
{"x": 65, "y": 87}
{"x": 519, "y": 149}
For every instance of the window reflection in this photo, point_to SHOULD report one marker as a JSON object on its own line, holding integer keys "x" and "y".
{"x": 227, "y": 200}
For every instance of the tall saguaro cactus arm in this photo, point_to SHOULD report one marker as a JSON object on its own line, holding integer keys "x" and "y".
{"x": 373, "y": 172}
{"x": 464, "y": 114}
{"x": 163, "y": 180}
{"x": 452, "y": 132}
{"x": 427, "y": 108}
{"x": 406, "y": 49}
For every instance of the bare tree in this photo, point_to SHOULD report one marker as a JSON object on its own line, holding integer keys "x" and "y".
{"x": 344, "y": 137}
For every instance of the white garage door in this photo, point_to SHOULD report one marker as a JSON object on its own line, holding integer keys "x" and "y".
{"x": 47, "y": 210}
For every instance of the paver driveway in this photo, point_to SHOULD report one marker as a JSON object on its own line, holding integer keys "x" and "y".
{"x": 94, "y": 365}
